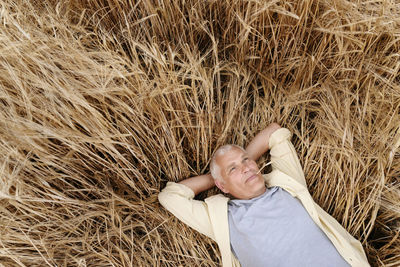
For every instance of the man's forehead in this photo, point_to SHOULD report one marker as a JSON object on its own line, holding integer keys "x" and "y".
{"x": 231, "y": 156}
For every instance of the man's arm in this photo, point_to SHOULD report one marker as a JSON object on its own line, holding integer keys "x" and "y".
{"x": 260, "y": 143}
{"x": 284, "y": 156}
{"x": 199, "y": 183}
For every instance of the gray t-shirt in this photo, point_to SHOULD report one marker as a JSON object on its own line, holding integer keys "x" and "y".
{"x": 274, "y": 229}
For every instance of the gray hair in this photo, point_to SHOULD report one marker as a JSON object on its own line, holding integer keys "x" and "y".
{"x": 214, "y": 167}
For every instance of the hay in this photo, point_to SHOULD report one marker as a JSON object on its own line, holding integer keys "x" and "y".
{"x": 103, "y": 102}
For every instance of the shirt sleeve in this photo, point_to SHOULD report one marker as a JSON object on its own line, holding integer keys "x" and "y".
{"x": 178, "y": 199}
{"x": 284, "y": 157}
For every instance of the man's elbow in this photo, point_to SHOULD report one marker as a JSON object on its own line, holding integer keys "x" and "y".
{"x": 162, "y": 198}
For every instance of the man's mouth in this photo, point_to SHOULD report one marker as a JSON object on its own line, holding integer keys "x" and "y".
{"x": 251, "y": 178}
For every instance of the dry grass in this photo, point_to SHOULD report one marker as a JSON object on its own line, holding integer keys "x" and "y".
{"x": 103, "y": 102}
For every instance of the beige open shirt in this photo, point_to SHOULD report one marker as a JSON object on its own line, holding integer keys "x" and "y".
{"x": 210, "y": 217}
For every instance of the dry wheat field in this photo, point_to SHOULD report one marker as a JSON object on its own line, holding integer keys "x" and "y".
{"x": 104, "y": 101}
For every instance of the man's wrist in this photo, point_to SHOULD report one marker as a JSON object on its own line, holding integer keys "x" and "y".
{"x": 273, "y": 127}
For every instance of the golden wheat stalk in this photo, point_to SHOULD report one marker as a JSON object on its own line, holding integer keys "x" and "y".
{"x": 103, "y": 102}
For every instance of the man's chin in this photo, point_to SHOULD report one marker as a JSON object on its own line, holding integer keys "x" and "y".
{"x": 258, "y": 186}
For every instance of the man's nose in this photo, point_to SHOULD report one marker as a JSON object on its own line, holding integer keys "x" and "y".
{"x": 245, "y": 167}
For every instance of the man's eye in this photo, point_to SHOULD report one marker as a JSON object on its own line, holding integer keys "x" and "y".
{"x": 232, "y": 169}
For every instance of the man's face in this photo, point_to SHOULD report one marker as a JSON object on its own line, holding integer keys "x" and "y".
{"x": 240, "y": 176}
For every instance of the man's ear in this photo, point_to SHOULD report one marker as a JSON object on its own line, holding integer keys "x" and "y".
{"x": 221, "y": 185}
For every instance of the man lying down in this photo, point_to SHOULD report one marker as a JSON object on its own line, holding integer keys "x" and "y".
{"x": 271, "y": 219}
